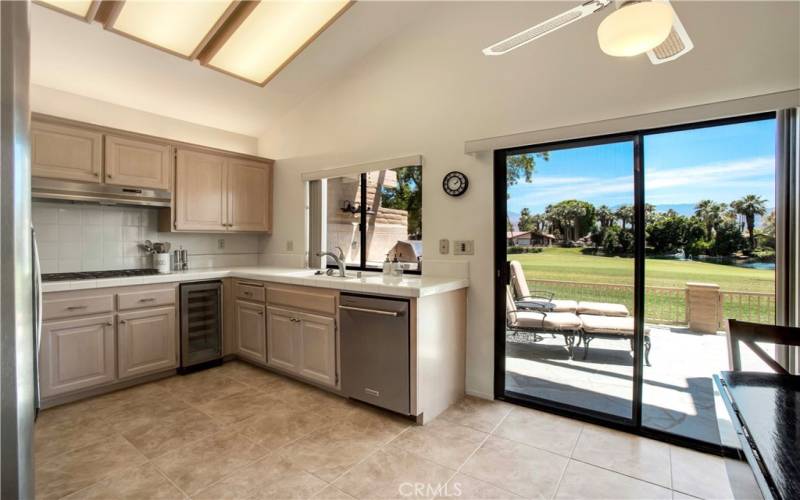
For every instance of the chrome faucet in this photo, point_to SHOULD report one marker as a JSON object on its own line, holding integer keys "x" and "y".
{"x": 339, "y": 259}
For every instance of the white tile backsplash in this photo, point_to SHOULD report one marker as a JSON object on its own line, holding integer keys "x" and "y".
{"x": 88, "y": 237}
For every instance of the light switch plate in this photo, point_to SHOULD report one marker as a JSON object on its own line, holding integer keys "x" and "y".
{"x": 289, "y": 245}
{"x": 464, "y": 247}
{"x": 444, "y": 246}
{"x": 221, "y": 243}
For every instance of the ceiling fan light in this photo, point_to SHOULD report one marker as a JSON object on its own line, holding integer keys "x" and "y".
{"x": 634, "y": 29}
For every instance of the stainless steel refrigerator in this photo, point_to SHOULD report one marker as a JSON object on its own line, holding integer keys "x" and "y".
{"x": 17, "y": 330}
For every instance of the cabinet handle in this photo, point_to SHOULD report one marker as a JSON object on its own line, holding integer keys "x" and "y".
{"x": 122, "y": 322}
{"x": 108, "y": 176}
{"x": 110, "y": 323}
{"x": 260, "y": 313}
{"x": 76, "y": 308}
{"x": 96, "y": 174}
{"x": 147, "y": 300}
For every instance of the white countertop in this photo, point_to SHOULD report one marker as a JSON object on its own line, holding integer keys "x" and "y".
{"x": 369, "y": 282}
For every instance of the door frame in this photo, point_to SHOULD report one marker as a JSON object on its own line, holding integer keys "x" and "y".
{"x": 502, "y": 278}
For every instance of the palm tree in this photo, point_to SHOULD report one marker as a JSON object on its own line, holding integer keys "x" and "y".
{"x": 711, "y": 213}
{"x": 748, "y": 207}
{"x": 625, "y": 214}
{"x": 605, "y": 216}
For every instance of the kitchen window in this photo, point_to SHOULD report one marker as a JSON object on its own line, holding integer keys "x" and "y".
{"x": 371, "y": 215}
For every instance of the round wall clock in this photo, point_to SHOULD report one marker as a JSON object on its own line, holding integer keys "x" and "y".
{"x": 455, "y": 183}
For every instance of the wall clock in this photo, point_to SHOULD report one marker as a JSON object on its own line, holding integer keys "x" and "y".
{"x": 455, "y": 183}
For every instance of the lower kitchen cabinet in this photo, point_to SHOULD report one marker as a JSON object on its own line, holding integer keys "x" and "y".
{"x": 77, "y": 354}
{"x": 251, "y": 333}
{"x": 147, "y": 341}
{"x": 303, "y": 343}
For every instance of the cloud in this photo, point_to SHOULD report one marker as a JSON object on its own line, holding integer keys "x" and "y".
{"x": 682, "y": 183}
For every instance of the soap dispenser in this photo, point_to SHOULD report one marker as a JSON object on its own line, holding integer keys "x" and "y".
{"x": 397, "y": 268}
{"x": 387, "y": 266}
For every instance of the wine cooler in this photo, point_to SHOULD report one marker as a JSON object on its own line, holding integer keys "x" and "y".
{"x": 201, "y": 323}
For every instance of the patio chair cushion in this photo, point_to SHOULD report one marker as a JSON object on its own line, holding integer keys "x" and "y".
{"x": 602, "y": 309}
{"x": 555, "y": 321}
{"x": 609, "y": 325}
{"x": 518, "y": 279}
{"x": 545, "y": 305}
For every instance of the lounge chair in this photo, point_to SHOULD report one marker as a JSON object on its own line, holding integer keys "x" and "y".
{"x": 602, "y": 309}
{"x": 536, "y": 322}
{"x": 537, "y": 300}
{"x": 610, "y": 327}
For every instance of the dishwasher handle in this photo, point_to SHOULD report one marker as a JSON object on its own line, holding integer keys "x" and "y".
{"x": 371, "y": 311}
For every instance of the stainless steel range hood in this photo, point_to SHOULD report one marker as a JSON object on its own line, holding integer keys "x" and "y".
{"x": 99, "y": 193}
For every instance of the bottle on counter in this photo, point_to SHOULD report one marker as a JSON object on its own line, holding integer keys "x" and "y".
{"x": 397, "y": 268}
{"x": 387, "y": 266}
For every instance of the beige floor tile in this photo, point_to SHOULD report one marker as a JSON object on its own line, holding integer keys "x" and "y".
{"x": 237, "y": 407}
{"x": 198, "y": 465}
{"x": 394, "y": 473}
{"x": 74, "y": 470}
{"x": 330, "y": 452}
{"x": 127, "y": 399}
{"x": 271, "y": 477}
{"x": 332, "y": 493}
{"x": 279, "y": 425}
{"x": 699, "y": 474}
{"x": 301, "y": 395}
{"x": 381, "y": 422}
{"x": 253, "y": 376}
{"x": 204, "y": 386}
{"x": 587, "y": 481}
{"x": 66, "y": 428}
{"x": 480, "y": 414}
{"x": 468, "y": 488}
{"x": 519, "y": 468}
{"x": 441, "y": 441}
{"x": 171, "y": 432}
{"x": 144, "y": 413}
{"x": 540, "y": 429}
{"x": 140, "y": 483}
{"x": 625, "y": 453}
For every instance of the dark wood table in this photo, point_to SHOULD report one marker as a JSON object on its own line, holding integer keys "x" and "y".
{"x": 764, "y": 409}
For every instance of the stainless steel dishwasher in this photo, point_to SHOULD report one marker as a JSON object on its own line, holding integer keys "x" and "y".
{"x": 375, "y": 351}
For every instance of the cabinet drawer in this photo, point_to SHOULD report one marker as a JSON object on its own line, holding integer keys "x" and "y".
{"x": 146, "y": 298}
{"x": 67, "y": 307}
{"x": 307, "y": 299}
{"x": 248, "y": 291}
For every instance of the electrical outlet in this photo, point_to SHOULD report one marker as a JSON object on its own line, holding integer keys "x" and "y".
{"x": 289, "y": 245}
{"x": 464, "y": 247}
{"x": 444, "y": 246}
{"x": 221, "y": 243}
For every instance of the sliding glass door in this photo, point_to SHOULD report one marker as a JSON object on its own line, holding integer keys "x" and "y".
{"x": 618, "y": 261}
{"x": 569, "y": 248}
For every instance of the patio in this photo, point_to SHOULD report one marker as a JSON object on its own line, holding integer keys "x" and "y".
{"x": 678, "y": 394}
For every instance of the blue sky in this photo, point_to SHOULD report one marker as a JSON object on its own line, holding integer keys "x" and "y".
{"x": 721, "y": 163}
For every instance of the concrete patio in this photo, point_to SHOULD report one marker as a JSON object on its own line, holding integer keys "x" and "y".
{"x": 679, "y": 395}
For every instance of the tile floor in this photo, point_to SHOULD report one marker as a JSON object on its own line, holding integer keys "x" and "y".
{"x": 240, "y": 432}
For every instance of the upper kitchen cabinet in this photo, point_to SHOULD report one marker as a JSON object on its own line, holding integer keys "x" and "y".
{"x": 138, "y": 163}
{"x": 66, "y": 152}
{"x": 200, "y": 201}
{"x": 220, "y": 192}
{"x": 248, "y": 196}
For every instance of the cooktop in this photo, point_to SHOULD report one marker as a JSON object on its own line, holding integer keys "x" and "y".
{"x": 93, "y": 275}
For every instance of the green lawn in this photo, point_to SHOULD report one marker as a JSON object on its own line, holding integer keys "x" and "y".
{"x": 569, "y": 264}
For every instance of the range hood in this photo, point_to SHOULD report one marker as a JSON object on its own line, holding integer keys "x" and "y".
{"x": 103, "y": 194}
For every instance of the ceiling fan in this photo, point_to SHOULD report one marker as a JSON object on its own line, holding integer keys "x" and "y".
{"x": 635, "y": 27}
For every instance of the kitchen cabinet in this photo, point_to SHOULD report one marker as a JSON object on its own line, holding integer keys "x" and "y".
{"x": 137, "y": 163}
{"x": 251, "y": 331}
{"x": 77, "y": 354}
{"x": 304, "y": 344}
{"x": 146, "y": 341}
{"x": 201, "y": 202}
{"x": 248, "y": 188}
{"x": 66, "y": 152}
{"x": 281, "y": 344}
{"x": 217, "y": 192}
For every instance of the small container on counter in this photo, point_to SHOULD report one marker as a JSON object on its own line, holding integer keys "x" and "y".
{"x": 162, "y": 263}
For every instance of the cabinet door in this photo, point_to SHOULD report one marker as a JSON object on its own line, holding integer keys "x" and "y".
{"x": 64, "y": 152}
{"x": 251, "y": 331}
{"x": 147, "y": 341}
{"x": 76, "y": 354}
{"x": 282, "y": 335}
{"x": 318, "y": 348}
{"x": 249, "y": 196}
{"x": 137, "y": 163}
{"x": 200, "y": 192}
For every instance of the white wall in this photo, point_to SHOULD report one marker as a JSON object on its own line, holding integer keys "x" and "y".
{"x": 77, "y": 107}
{"x": 429, "y": 89}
